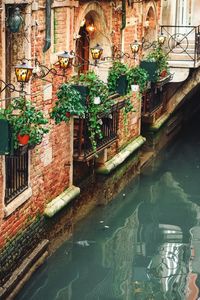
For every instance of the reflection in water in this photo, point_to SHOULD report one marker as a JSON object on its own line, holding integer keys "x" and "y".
{"x": 146, "y": 248}
{"x": 165, "y": 221}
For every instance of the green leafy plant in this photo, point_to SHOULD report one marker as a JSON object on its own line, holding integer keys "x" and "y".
{"x": 126, "y": 109}
{"x": 2, "y": 114}
{"x": 69, "y": 103}
{"x": 118, "y": 68}
{"x": 138, "y": 76}
{"x": 96, "y": 88}
{"x": 25, "y": 120}
{"x": 160, "y": 57}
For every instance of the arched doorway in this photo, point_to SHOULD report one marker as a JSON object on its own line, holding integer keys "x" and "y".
{"x": 93, "y": 29}
{"x": 82, "y": 49}
{"x": 90, "y": 34}
{"x": 150, "y": 28}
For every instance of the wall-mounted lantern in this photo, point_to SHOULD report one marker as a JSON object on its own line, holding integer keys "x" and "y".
{"x": 161, "y": 39}
{"x": 65, "y": 59}
{"x": 96, "y": 53}
{"x": 135, "y": 46}
{"x": 146, "y": 24}
{"x": 90, "y": 28}
{"x": 15, "y": 20}
{"x": 23, "y": 73}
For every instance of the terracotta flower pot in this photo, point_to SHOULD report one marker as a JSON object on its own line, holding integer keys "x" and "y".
{"x": 163, "y": 73}
{"x": 23, "y": 139}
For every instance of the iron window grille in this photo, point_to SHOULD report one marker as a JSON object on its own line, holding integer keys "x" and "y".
{"x": 16, "y": 168}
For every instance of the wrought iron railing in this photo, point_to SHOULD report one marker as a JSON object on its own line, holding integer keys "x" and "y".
{"x": 182, "y": 43}
{"x": 83, "y": 149}
{"x": 16, "y": 175}
{"x": 150, "y": 101}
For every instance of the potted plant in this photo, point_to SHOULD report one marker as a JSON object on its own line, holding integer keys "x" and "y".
{"x": 69, "y": 103}
{"x": 27, "y": 123}
{"x": 97, "y": 102}
{"x": 137, "y": 76}
{"x": 151, "y": 67}
{"x": 79, "y": 83}
{"x": 159, "y": 57}
{"x": 117, "y": 78}
{"x": 97, "y": 90}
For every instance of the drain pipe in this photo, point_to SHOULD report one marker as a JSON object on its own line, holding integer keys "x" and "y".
{"x": 47, "y": 40}
{"x": 123, "y": 26}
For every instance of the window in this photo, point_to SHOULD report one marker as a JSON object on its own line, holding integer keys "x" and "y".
{"x": 16, "y": 168}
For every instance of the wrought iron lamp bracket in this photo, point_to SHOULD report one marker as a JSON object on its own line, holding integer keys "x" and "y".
{"x": 147, "y": 45}
{"x": 9, "y": 86}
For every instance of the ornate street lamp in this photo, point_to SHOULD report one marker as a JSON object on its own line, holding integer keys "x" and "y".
{"x": 135, "y": 46}
{"x": 161, "y": 39}
{"x": 96, "y": 53}
{"x": 23, "y": 73}
{"x": 65, "y": 59}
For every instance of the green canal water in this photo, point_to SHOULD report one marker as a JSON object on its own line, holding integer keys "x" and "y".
{"x": 143, "y": 245}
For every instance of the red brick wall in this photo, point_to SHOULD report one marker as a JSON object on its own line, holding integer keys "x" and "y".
{"x": 47, "y": 178}
{"x": 129, "y": 126}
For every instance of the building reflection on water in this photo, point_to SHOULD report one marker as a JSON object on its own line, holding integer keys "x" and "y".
{"x": 149, "y": 253}
{"x": 167, "y": 264}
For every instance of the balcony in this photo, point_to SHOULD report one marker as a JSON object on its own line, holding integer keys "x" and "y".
{"x": 154, "y": 97}
{"x": 83, "y": 150}
{"x": 182, "y": 45}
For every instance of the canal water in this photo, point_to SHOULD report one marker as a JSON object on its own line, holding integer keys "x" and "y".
{"x": 143, "y": 245}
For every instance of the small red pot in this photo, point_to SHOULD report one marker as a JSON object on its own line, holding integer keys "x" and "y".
{"x": 23, "y": 139}
{"x": 68, "y": 115}
{"x": 163, "y": 73}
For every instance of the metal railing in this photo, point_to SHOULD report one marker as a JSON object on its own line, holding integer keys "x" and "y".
{"x": 83, "y": 149}
{"x": 182, "y": 43}
{"x": 16, "y": 175}
{"x": 150, "y": 101}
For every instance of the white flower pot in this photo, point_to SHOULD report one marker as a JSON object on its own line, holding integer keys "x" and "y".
{"x": 97, "y": 100}
{"x": 135, "y": 88}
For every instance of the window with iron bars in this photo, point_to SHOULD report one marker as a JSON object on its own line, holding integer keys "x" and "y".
{"x": 16, "y": 169}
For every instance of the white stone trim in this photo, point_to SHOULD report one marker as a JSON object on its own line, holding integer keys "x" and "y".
{"x": 61, "y": 201}
{"x": 18, "y": 201}
{"x": 120, "y": 157}
{"x": 21, "y": 198}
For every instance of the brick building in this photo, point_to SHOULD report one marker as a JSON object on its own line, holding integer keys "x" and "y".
{"x": 45, "y": 179}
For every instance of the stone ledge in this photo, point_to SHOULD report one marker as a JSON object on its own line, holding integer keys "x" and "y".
{"x": 119, "y": 158}
{"x": 159, "y": 122}
{"x": 61, "y": 201}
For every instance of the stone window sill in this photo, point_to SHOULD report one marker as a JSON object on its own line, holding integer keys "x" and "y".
{"x": 18, "y": 201}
